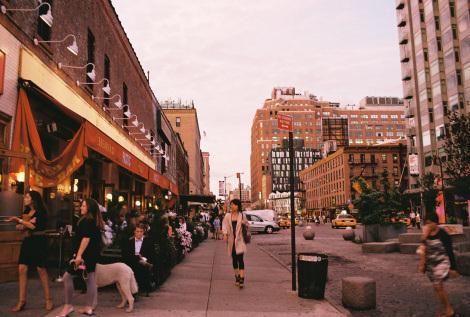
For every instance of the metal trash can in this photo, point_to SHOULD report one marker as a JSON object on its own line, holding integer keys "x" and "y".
{"x": 312, "y": 271}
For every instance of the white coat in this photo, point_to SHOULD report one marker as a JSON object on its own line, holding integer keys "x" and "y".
{"x": 227, "y": 229}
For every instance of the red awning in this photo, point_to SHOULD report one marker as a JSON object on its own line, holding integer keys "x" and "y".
{"x": 158, "y": 179}
{"x": 174, "y": 189}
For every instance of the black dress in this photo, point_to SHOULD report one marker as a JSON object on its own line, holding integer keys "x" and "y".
{"x": 87, "y": 228}
{"x": 33, "y": 250}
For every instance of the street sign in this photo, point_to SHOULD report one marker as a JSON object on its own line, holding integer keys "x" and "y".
{"x": 284, "y": 122}
{"x": 221, "y": 188}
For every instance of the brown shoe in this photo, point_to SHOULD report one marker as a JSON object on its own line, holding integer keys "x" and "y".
{"x": 19, "y": 307}
{"x": 49, "y": 304}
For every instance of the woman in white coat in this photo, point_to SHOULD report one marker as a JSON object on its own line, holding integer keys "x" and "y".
{"x": 236, "y": 247}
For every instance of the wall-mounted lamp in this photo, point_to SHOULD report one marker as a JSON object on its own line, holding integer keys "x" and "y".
{"x": 47, "y": 17}
{"x": 141, "y": 129}
{"x": 121, "y": 199}
{"x": 109, "y": 196}
{"x": 73, "y": 48}
{"x": 118, "y": 103}
{"x": 106, "y": 89}
{"x": 91, "y": 74}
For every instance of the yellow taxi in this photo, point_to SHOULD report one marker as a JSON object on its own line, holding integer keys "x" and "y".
{"x": 285, "y": 222}
{"x": 344, "y": 220}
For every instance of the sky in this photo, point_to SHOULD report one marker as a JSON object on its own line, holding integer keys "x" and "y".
{"x": 227, "y": 55}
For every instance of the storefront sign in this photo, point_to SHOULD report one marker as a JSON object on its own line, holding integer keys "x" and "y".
{"x": 104, "y": 145}
{"x": 158, "y": 179}
{"x": 413, "y": 162}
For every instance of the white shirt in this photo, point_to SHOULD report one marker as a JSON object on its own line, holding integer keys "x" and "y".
{"x": 138, "y": 245}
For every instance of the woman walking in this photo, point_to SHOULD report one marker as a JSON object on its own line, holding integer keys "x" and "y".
{"x": 33, "y": 250}
{"x": 86, "y": 249}
{"x": 236, "y": 247}
{"x": 437, "y": 260}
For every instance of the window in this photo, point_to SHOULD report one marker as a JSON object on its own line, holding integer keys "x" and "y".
{"x": 44, "y": 30}
{"x": 178, "y": 122}
{"x": 384, "y": 158}
{"x": 452, "y": 9}
{"x": 421, "y": 15}
{"x": 436, "y": 21}
{"x": 425, "y": 53}
{"x": 107, "y": 73}
{"x": 395, "y": 158}
{"x": 395, "y": 171}
{"x": 459, "y": 77}
{"x": 4, "y": 121}
{"x": 384, "y": 116}
{"x": 90, "y": 55}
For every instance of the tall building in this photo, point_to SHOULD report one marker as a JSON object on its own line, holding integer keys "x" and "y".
{"x": 434, "y": 39}
{"x": 183, "y": 119}
{"x": 207, "y": 175}
{"x": 328, "y": 184}
{"x": 375, "y": 120}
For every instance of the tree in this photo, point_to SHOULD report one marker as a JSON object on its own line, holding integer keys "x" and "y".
{"x": 430, "y": 192}
{"x": 457, "y": 148}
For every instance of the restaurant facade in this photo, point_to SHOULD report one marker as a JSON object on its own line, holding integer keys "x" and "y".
{"x": 78, "y": 118}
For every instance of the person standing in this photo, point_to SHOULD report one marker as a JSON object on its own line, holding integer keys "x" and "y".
{"x": 413, "y": 218}
{"x": 217, "y": 227}
{"x": 437, "y": 260}
{"x": 33, "y": 250}
{"x": 236, "y": 247}
{"x": 418, "y": 221}
{"x": 86, "y": 248}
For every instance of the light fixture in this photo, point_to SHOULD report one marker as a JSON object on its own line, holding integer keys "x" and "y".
{"x": 91, "y": 74}
{"x": 106, "y": 88}
{"x": 142, "y": 129}
{"x": 148, "y": 136}
{"x": 47, "y": 17}
{"x": 121, "y": 198}
{"x": 128, "y": 116}
{"x": 118, "y": 103}
{"x": 73, "y": 48}
{"x": 138, "y": 203}
{"x": 109, "y": 196}
{"x": 20, "y": 177}
{"x": 153, "y": 142}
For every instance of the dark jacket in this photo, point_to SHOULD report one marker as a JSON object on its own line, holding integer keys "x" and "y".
{"x": 147, "y": 250}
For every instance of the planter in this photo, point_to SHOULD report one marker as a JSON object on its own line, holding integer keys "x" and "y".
{"x": 382, "y": 232}
{"x": 309, "y": 233}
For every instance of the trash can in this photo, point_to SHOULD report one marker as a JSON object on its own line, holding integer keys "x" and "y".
{"x": 312, "y": 271}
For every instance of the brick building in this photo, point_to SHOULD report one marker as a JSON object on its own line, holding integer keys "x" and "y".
{"x": 374, "y": 120}
{"x": 434, "y": 39}
{"x": 327, "y": 183}
{"x": 183, "y": 119}
{"x": 90, "y": 126}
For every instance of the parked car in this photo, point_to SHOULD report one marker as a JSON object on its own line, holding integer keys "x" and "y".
{"x": 257, "y": 224}
{"x": 265, "y": 214}
{"x": 344, "y": 220}
{"x": 285, "y": 222}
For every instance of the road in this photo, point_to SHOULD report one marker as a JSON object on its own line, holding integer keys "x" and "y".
{"x": 401, "y": 290}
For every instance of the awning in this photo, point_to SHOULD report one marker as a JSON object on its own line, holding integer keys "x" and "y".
{"x": 104, "y": 145}
{"x": 49, "y": 173}
{"x": 174, "y": 189}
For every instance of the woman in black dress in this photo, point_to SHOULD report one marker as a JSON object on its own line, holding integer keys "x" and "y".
{"x": 86, "y": 249}
{"x": 33, "y": 250}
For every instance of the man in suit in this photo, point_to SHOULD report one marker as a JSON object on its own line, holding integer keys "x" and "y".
{"x": 139, "y": 253}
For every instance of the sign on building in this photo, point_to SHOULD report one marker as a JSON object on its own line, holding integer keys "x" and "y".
{"x": 284, "y": 122}
{"x": 413, "y": 162}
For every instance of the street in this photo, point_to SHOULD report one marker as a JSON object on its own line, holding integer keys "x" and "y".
{"x": 401, "y": 290}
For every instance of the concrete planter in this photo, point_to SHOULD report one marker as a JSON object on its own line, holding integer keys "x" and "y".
{"x": 309, "y": 233}
{"x": 381, "y": 233}
{"x": 349, "y": 235}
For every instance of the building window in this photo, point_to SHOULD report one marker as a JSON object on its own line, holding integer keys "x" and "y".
{"x": 395, "y": 171}
{"x": 384, "y": 158}
{"x": 107, "y": 75}
{"x": 428, "y": 161}
{"x": 178, "y": 121}
{"x": 44, "y": 30}
{"x": 90, "y": 56}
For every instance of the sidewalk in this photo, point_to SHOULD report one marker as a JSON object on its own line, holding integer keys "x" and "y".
{"x": 203, "y": 285}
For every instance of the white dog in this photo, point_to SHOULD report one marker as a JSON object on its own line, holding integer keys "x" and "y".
{"x": 123, "y": 276}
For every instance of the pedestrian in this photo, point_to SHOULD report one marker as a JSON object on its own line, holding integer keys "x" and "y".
{"x": 418, "y": 221}
{"x": 217, "y": 228}
{"x": 437, "y": 260}
{"x": 86, "y": 251}
{"x": 236, "y": 247}
{"x": 33, "y": 252}
{"x": 413, "y": 218}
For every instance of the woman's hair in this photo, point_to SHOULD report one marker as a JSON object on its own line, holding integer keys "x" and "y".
{"x": 36, "y": 202}
{"x": 238, "y": 203}
{"x": 433, "y": 217}
{"x": 94, "y": 212}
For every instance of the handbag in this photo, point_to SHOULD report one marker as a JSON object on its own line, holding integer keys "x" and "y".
{"x": 79, "y": 274}
{"x": 246, "y": 233}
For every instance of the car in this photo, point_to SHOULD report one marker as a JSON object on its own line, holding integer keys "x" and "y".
{"x": 344, "y": 220}
{"x": 257, "y": 224}
{"x": 285, "y": 222}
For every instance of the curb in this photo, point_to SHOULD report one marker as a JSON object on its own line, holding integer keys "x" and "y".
{"x": 339, "y": 308}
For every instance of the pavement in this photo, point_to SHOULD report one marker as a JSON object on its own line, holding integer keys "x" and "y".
{"x": 202, "y": 285}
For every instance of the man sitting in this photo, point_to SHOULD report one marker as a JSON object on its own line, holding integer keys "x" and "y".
{"x": 139, "y": 253}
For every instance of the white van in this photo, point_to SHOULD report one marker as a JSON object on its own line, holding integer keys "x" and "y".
{"x": 265, "y": 214}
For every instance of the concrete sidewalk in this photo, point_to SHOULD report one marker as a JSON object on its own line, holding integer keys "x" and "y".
{"x": 203, "y": 285}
